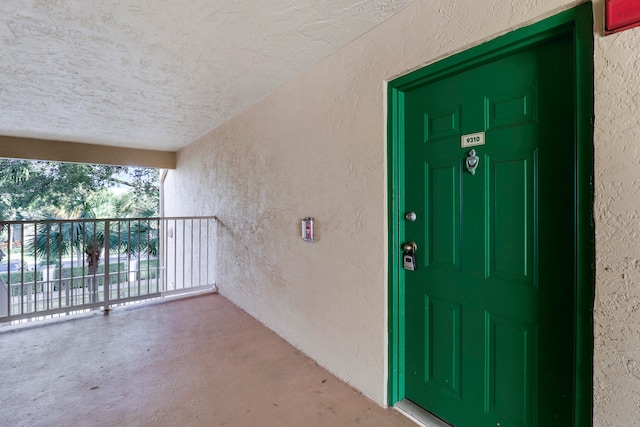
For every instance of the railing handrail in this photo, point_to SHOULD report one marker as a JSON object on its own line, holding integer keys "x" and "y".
{"x": 145, "y": 218}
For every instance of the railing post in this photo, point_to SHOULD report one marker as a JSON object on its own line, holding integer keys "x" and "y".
{"x": 5, "y": 298}
{"x": 107, "y": 275}
{"x": 162, "y": 252}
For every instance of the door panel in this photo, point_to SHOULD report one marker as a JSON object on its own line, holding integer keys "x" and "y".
{"x": 510, "y": 211}
{"x": 511, "y": 109}
{"x": 442, "y": 124}
{"x": 489, "y": 311}
{"x": 442, "y": 183}
{"x": 442, "y": 355}
{"x": 509, "y": 369}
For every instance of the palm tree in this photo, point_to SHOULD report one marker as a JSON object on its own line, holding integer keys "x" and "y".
{"x": 139, "y": 237}
{"x": 84, "y": 235}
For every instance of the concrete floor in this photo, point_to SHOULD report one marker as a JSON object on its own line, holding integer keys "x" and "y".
{"x": 197, "y": 361}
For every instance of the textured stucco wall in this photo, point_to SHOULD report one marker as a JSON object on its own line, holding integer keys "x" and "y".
{"x": 316, "y": 147}
{"x": 617, "y": 215}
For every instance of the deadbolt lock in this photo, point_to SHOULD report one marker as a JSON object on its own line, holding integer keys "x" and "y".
{"x": 410, "y": 247}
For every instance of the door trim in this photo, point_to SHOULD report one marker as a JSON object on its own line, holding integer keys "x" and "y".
{"x": 579, "y": 23}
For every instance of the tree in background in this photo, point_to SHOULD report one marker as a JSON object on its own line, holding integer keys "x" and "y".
{"x": 83, "y": 235}
{"x": 31, "y": 190}
{"x": 40, "y": 190}
{"x": 53, "y": 240}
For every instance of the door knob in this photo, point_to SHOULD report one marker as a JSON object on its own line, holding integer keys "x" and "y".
{"x": 410, "y": 216}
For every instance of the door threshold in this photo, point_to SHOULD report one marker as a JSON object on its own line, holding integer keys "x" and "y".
{"x": 419, "y": 415}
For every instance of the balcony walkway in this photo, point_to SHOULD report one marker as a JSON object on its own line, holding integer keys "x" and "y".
{"x": 197, "y": 361}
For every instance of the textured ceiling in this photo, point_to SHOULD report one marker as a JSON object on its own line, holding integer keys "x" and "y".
{"x": 157, "y": 74}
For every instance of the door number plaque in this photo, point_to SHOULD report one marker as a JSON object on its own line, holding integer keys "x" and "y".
{"x": 472, "y": 139}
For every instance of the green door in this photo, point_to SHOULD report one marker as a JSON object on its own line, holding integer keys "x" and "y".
{"x": 489, "y": 322}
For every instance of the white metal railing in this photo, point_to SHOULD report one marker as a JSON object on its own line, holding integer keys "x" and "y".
{"x": 68, "y": 266}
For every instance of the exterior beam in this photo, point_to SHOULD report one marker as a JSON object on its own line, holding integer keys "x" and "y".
{"x": 75, "y": 152}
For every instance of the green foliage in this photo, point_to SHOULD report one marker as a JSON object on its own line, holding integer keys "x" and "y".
{"x": 39, "y": 189}
{"x": 36, "y": 190}
{"x": 139, "y": 239}
{"x": 17, "y": 277}
{"x": 56, "y": 239}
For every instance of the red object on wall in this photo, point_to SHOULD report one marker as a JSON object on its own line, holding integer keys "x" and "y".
{"x": 621, "y": 15}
